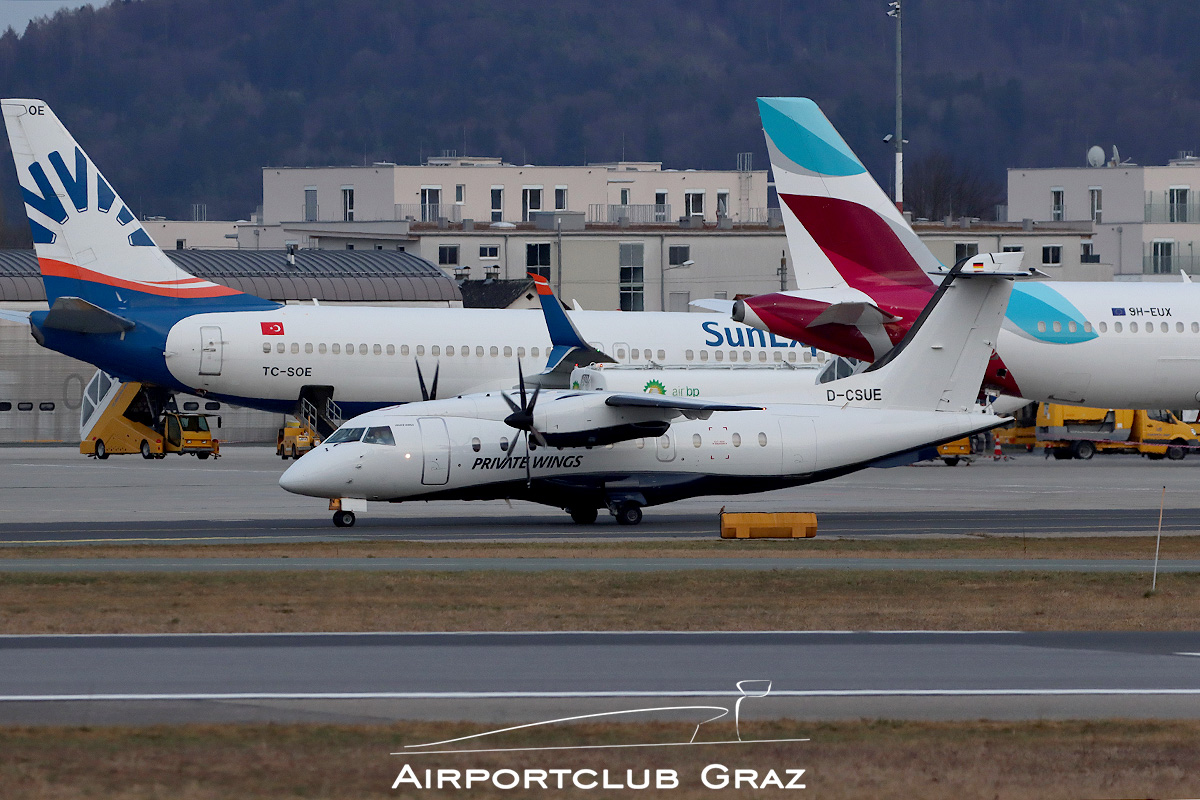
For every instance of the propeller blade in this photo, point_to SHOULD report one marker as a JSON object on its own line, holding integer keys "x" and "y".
{"x": 421, "y": 379}
{"x": 541, "y": 440}
{"x": 521, "y": 382}
{"x": 528, "y": 473}
{"x": 433, "y": 386}
{"x": 516, "y": 408}
{"x": 533, "y": 401}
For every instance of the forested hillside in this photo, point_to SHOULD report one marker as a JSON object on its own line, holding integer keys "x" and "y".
{"x": 182, "y": 101}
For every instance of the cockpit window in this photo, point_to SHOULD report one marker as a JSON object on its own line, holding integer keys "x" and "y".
{"x": 345, "y": 435}
{"x": 380, "y": 435}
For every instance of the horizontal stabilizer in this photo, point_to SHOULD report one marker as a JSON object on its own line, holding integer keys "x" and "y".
{"x": 78, "y": 315}
{"x": 14, "y": 316}
{"x": 714, "y": 304}
{"x": 853, "y": 314}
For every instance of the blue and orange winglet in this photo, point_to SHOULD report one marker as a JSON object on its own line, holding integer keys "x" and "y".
{"x": 562, "y": 331}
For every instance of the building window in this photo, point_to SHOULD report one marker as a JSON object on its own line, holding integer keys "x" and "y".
{"x": 965, "y": 250}
{"x": 624, "y": 197}
{"x": 661, "y": 212}
{"x": 447, "y": 255}
{"x": 677, "y": 254}
{"x": 348, "y": 204}
{"x": 1014, "y": 248}
{"x": 560, "y": 198}
{"x": 537, "y": 258}
{"x": 489, "y": 251}
{"x": 1052, "y": 255}
{"x": 693, "y": 203}
{"x": 1096, "y": 203}
{"x": 181, "y": 244}
{"x": 310, "y": 204}
{"x": 723, "y": 203}
{"x": 531, "y": 200}
{"x": 460, "y": 193}
{"x": 631, "y": 278}
{"x": 497, "y": 203}
{"x": 1056, "y": 204}
{"x": 1178, "y": 196}
{"x": 431, "y": 203}
{"x": 349, "y": 246}
{"x": 1161, "y": 256}
{"x": 1087, "y": 253}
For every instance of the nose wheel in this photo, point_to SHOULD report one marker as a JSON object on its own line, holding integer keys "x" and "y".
{"x": 343, "y": 519}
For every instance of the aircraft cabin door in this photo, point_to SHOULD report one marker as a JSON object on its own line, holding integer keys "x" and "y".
{"x": 210, "y": 350}
{"x": 435, "y": 444}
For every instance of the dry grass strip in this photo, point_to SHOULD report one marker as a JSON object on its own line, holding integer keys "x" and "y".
{"x": 1173, "y": 547}
{"x": 508, "y": 601}
{"x": 843, "y": 760}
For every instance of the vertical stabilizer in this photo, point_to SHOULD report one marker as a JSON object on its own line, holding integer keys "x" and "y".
{"x": 89, "y": 245}
{"x": 842, "y": 229}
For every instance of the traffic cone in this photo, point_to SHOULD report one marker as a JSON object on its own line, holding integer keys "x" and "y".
{"x": 997, "y": 454}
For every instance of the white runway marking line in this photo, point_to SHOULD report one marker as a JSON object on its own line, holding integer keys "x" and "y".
{"x": 831, "y": 693}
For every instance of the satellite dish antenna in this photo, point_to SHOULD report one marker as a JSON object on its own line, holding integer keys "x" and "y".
{"x": 1116, "y": 159}
{"x": 1095, "y": 156}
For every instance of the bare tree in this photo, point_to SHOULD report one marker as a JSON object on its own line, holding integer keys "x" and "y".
{"x": 938, "y": 187}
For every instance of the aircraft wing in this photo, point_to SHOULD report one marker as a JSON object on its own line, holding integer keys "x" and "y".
{"x": 590, "y": 419}
{"x": 673, "y": 406}
{"x": 14, "y": 316}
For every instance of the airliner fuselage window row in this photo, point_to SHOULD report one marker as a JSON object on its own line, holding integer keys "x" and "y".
{"x": 807, "y": 356}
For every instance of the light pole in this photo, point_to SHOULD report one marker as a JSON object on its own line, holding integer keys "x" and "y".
{"x": 662, "y": 280}
{"x": 894, "y": 11}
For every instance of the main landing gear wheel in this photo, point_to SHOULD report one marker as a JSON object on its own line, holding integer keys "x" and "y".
{"x": 343, "y": 519}
{"x": 583, "y": 515}
{"x": 628, "y": 513}
{"x": 146, "y": 454}
{"x": 101, "y": 452}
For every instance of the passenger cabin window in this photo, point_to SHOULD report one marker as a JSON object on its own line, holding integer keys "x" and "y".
{"x": 266, "y": 347}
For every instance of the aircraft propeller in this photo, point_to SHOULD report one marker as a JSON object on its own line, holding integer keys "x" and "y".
{"x": 432, "y": 393}
{"x": 522, "y": 419}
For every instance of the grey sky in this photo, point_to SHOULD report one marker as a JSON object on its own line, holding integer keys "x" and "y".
{"x": 16, "y": 14}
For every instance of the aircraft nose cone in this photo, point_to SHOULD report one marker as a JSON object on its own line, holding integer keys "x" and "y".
{"x": 309, "y": 476}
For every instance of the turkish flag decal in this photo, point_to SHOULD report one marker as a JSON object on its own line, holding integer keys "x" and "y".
{"x": 272, "y": 328}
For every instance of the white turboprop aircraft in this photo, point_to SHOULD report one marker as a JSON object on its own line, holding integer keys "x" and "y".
{"x": 862, "y": 278}
{"x": 626, "y": 451}
{"x": 118, "y": 302}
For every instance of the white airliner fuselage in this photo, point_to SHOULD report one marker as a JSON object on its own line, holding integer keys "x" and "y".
{"x": 369, "y": 355}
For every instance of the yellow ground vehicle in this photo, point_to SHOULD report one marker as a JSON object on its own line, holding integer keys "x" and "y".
{"x": 295, "y": 439}
{"x": 1081, "y": 432}
{"x": 132, "y": 421}
{"x": 953, "y": 452}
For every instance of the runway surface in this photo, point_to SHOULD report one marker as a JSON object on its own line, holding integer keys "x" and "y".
{"x": 52, "y": 495}
{"x": 489, "y": 676}
{"x": 169, "y": 565}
